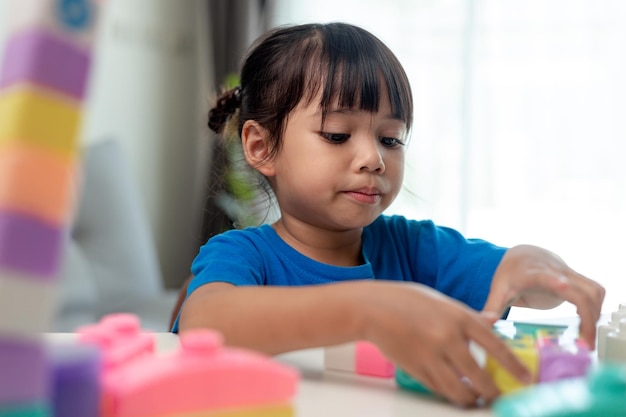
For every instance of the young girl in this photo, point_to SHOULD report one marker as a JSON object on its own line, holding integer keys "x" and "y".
{"x": 323, "y": 113}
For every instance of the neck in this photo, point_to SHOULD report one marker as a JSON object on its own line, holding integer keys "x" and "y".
{"x": 340, "y": 248}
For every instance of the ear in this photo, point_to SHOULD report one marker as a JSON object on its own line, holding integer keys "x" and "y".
{"x": 256, "y": 148}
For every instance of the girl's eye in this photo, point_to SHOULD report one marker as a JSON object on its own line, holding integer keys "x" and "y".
{"x": 391, "y": 142}
{"x": 335, "y": 138}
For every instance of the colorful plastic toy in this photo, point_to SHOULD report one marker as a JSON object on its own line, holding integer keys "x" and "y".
{"x": 43, "y": 78}
{"x": 362, "y": 358}
{"x": 601, "y": 394}
{"x": 199, "y": 377}
{"x": 550, "y": 352}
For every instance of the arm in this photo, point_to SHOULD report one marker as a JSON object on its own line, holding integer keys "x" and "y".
{"x": 409, "y": 322}
{"x": 529, "y": 276}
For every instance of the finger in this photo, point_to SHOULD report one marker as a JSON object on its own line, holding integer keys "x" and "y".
{"x": 498, "y": 300}
{"x": 497, "y": 349}
{"x": 450, "y": 385}
{"x": 489, "y": 317}
{"x": 482, "y": 383}
{"x": 587, "y": 305}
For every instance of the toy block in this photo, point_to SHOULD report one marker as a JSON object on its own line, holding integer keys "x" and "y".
{"x": 27, "y": 305}
{"x": 33, "y": 116}
{"x": 601, "y": 393}
{"x": 201, "y": 376}
{"x": 38, "y": 57}
{"x": 24, "y": 371}
{"x": 75, "y": 374}
{"x": 360, "y": 357}
{"x": 266, "y": 411}
{"x": 524, "y": 349}
{"x": 37, "y": 183}
{"x": 29, "y": 245}
{"x": 610, "y": 326}
{"x": 340, "y": 358}
{"x": 120, "y": 338}
{"x": 559, "y": 360}
{"x": 369, "y": 360}
{"x": 615, "y": 345}
{"x": 74, "y": 19}
{"x": 40, "y": 409}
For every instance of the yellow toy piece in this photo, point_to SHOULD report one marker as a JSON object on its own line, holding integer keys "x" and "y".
{"x": 32, "y": 115}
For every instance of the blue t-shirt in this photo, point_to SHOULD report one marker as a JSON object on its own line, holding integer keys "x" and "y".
{"x": 394, "y": 248}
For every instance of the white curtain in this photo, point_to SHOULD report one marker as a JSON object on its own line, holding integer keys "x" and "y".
{"x": 520, "y": 121}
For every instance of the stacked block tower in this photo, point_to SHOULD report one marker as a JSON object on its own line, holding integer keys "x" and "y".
{"x": 43, "y": 81}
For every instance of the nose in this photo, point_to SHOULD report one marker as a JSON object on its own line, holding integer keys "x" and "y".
{"x": 370, "y": 156}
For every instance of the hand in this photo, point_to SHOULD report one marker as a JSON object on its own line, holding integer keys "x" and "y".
{"x": 529, "y": 276}
{"x": 427, "y": 335}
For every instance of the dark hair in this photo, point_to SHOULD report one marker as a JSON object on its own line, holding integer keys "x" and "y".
{"x": 290, "y": 64}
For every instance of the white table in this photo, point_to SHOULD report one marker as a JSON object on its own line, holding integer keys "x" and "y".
{"x": 333, "y": 393}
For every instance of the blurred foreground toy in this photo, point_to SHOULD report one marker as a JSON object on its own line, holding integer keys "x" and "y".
{"x": 201, "y": 376}
{"x": 601, "y": 394}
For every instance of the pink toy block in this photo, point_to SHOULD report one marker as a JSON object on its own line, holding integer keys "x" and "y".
{"x": 370, "y": 361}
{"x": 29, "y": 245}
{"x": 120, "y": 338}
{"x": 21, "y": 317}
{"x": 37, "y": 183}
{"x": 23, "y": 371}
{"x": 38, "y": 57}
{"x": 75, "y": 20}
{"x": 201, "y": 376}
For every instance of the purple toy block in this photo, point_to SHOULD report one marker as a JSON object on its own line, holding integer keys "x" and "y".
{"x": 557, "y": 362}
{"x": 75, "y": 373}
{"x": 24, "y": 376}
{"x": 29, "y": 245}
{"x": 41, "y": 58}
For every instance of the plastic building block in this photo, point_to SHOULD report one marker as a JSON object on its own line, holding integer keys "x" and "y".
{"x": 58, "y": 120}
{"x": 340, "y": 358}
{"x": 75, "y": 20}
{"x": 37, "y": 183}
{"x": 525, "y": 350}
{"x": 19, "y": 317}
{"x": 605, "y": 329}
{"x": 559, "y": 361}
{"x": 550, "y": 352}
{"x": 29, "y": 245}
{"x": 120, "y": 338}
{"x": 23, "y": 371}
{"x": 601, "y": 393}
{"x": 370, "y": 361}
{"x": 40, "y": 409}
{"x": 615, "y": 345}
{"x": 201, "y": 376}
{"x": 361, "y": 357}
{"x": 35, "y": 56}
{"x": 75, "y": 374}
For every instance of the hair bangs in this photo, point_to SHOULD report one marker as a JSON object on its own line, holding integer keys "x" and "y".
{"x": 356, "y": 70}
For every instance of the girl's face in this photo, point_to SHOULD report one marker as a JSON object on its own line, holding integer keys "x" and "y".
{"x": 343, "y": 175}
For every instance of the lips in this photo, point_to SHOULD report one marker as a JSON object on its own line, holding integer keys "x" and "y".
{"x": 365, "y": 195}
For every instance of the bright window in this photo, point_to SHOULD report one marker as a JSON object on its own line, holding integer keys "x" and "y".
{"x": 520, "y": 123}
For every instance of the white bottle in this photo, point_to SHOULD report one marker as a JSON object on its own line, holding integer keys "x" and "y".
{"x": 605, "y": 329}
{"x": 615, "y": 345}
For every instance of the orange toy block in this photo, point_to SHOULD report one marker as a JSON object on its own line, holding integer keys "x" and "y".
{"x": 120, "y": 338}
{"x": 200, "y": 377}
{"x": 36, "y": 182}
{"x": 35, "y": 116}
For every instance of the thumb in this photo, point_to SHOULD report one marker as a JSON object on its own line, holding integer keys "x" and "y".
{"x": 490, "y": 317}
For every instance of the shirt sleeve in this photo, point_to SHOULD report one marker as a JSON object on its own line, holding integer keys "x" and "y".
{"x": 463, "y": 268}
